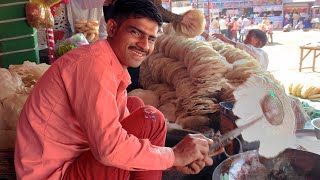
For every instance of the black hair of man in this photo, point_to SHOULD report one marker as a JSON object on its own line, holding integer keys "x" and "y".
{"x": 124, "y": 9}
{"x": 261, "y": 35}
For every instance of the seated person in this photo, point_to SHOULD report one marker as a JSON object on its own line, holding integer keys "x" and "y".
{"x": 78, "y": 122}
{"x": 286, "y": 28}
{"x": 299, "y": 25}
{"x": 253, "y": 43}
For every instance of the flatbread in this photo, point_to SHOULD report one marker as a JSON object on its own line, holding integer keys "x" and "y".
{"x": 273, "y": 139}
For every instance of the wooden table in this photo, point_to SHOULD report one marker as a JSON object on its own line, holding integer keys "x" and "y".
{"x": 309, "y": 48}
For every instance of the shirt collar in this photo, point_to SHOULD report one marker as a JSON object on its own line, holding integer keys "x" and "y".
{"x": 121, "y": 73}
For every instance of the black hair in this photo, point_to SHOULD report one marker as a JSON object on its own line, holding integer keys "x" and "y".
{"x": 261, "y": 35}
{"x": 123, "y": 9}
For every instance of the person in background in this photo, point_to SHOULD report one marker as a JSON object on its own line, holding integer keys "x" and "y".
{"x": 223, "y": 25}
{"x": 265, "y": 21}
{"x": 286, "y": 28}
{"x": 295, "y": 18}
{"x": 253, "y": 43}
{"x": 244, "y": 28}
{"x": 214, "y": 26}
{"x": 287, "y": 16}
{"x": 299, "y": 25}
{"x": 270, "y": 32}
{"x": 78, "y": 122}
{"x": 240, "y": 24}
{"x": 229, "y": 27}
{"x": 234, "y": 29}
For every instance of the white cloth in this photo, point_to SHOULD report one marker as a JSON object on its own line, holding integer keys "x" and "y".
{"x": 85, "y": 4}
{"x": 246, "y": 23}
{"x": 223, "y": 24}
{"x": 257, "y": 53}
{"x": 240, "y": 22}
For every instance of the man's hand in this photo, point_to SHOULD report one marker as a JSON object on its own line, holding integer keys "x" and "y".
{"x": 221, "y": 37}
{"x": 193, "y": 168}
{"x": 224, "y": 39}
{"x": 192, "y": 148}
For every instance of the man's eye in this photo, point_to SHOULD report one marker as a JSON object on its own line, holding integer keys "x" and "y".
{"x": 152, "y": 40}
{"x": 135, "y": 33}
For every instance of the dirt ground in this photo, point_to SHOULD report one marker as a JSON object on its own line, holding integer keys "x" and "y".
{"x": 284, "y": 53}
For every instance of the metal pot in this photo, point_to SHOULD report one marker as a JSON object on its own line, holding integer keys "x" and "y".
{"x": 298, "y": 163}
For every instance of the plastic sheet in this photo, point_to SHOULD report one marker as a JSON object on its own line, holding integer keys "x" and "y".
{"x": 86, "y": 21}
{"x": 39, "y": 14}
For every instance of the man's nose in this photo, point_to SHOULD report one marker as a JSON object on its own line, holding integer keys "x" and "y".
{"x": 144, "y": 43}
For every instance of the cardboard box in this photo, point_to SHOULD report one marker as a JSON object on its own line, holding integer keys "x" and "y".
{"x": 19, "y": 58}
{"x": 12, "y": 1}
{"x": 27, "y": 42}
{"x": 15, "y": 11}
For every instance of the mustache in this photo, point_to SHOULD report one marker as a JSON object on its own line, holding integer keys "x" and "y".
{"x": 139, "y": 49}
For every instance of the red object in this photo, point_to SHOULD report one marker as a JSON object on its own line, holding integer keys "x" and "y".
{"x": 88, "y": 167}
{"x": 50, "y": 44}
{"x": 66, "y": 1}
{"x": 58, "y": 35}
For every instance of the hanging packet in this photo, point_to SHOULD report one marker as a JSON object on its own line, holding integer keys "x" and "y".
{"x": 39, "y": 14}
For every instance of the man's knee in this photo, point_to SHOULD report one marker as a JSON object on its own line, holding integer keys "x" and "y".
{"x": 155, "y": 125}
{"x": 134, "y": 103}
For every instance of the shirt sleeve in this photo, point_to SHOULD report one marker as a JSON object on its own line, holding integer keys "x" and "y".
{"x": 92, "y": 87}
{"x": 264, "y": 60}
{"x": 257, "y": 53}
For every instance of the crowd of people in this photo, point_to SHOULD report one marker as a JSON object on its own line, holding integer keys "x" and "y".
{"x": 236, "y": 29}
{"x": 296, "y": 20}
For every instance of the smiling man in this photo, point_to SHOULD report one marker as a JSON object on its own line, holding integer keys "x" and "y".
{"x": 78, "y": 122}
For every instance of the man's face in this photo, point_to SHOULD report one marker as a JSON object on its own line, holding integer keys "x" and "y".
{"x": 132, "y": 40}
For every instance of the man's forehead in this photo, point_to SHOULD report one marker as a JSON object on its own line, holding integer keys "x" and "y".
{"x": 143, "y": 25}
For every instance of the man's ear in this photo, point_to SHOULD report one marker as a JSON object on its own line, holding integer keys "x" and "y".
{"x": 111, "y": 27}
{"x": 259, "y": 44}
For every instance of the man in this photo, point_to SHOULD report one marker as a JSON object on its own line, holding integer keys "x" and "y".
{"x": 244, "y": 28}
{"x": 214, "y": 26}
{"x": 295, "y": 18}
{"x": 286, "y": 28}
{"x": 223, "y": 25}
{"x": 253, "y": 43}
{"x": 78, "y": 122}
{"x": 240, "y": 24}
{"x": 235, "y": 29}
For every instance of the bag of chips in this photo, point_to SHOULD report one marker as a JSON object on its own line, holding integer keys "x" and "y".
{"x": 39, "y": 14}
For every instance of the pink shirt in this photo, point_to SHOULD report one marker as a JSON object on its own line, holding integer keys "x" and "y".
{"x": 78, "y": 105}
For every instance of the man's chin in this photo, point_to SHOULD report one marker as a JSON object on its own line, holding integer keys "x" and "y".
{"x": 135, "y": 65}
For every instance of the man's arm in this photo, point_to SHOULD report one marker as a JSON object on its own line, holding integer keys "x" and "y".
{"x": 224, "y": 39}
